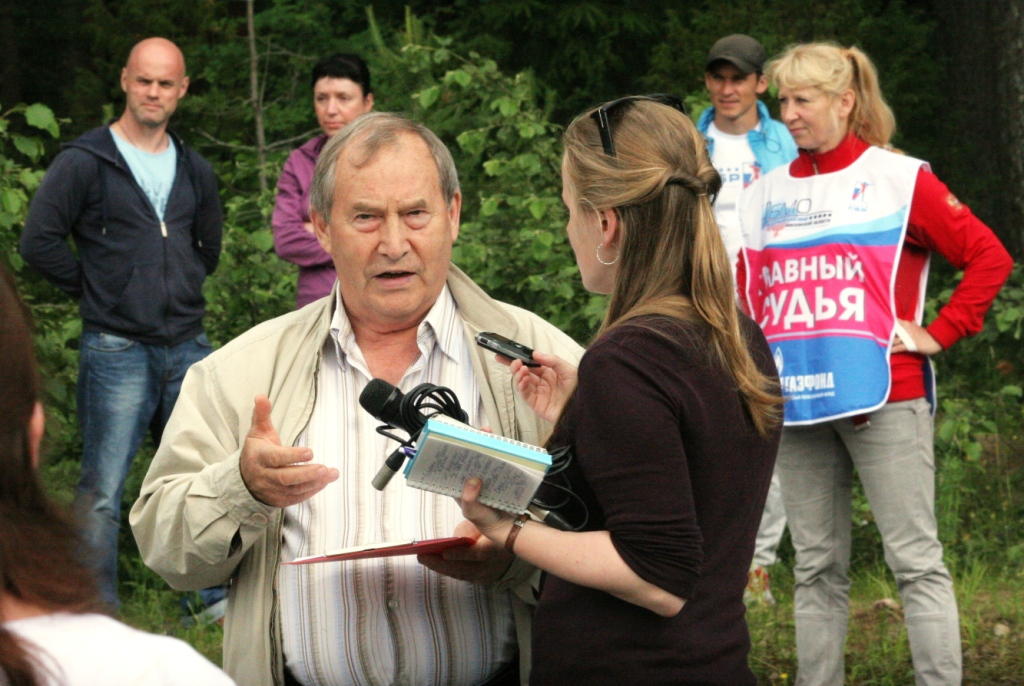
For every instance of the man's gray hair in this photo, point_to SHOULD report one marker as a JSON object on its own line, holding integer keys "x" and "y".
{"x": 370, "y": 133}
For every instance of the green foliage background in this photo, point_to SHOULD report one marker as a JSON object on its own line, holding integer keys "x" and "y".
{"x": 498, "y": 81}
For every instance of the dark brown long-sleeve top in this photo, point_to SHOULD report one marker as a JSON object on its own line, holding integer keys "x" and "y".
{"x": 667, "y": 460}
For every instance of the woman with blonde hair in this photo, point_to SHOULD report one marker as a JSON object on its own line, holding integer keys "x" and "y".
{"x": 838, "y": 244}
{"x": 673, "y": 419}
{"x": 51, "y": 632}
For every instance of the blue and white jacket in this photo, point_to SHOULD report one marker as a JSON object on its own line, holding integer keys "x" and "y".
{"x": 772, "y": 144}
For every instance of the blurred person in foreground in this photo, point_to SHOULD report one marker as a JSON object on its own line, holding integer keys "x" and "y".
{"x": 673, "y": 417}
{"x": 341, "y": 93}
{"x": 269, "y": 457}
{"x": 51, "y": 631}
{"x": 745, "y": 143}
{"x": 835, "y": 269}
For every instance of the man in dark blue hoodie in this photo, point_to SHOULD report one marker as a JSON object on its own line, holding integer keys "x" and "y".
{"x": 145, "y": 217}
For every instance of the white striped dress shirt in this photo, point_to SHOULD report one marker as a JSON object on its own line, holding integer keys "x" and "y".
{"x": 387, "y": 620}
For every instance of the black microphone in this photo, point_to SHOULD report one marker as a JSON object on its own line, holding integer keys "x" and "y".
{"x": 384, "y": 402}
{"x": 406, "y": 412}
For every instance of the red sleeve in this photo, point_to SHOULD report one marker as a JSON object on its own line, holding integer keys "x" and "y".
{"x": 741, "y": 285}
{"x": 941, "y": 223}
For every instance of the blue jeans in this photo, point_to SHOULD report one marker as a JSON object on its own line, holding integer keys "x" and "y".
{"x": 124, "y": 388}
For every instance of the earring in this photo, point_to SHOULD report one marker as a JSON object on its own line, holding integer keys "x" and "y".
{"x": 607, "y": 264}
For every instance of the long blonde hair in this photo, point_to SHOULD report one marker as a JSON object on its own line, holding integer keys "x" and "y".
{"x": 672, "y": 261}
{"x": 833, "y": 70}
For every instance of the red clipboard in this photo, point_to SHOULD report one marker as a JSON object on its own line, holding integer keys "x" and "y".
{"x": 409, "y": 547}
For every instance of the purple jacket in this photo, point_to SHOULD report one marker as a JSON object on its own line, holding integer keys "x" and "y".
{"x": 291, "y": 240}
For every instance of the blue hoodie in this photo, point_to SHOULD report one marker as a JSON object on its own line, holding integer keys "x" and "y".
{"x": 772, "y": 144}
{"x": 134, "y": 275}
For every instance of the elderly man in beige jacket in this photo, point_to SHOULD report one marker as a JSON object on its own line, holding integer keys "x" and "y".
{"x": 267, "y": 456}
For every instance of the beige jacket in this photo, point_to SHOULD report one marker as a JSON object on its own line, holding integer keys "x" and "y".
{"x": 196, "y": 523}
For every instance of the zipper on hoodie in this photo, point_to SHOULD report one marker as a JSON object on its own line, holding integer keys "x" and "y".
{"x": 163, "y": 229}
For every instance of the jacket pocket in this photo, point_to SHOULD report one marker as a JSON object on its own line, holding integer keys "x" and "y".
{"x": 144, "y": 299}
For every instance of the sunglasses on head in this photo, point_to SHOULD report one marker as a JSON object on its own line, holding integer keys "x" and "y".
{"x": 603, "y": 113}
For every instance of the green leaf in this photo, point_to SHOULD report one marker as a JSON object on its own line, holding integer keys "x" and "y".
{"x": 946, "y": 429}
{"x": 263, "y": 240}
{"x": 41, "y": 117}
{"x": 1014, "y": 391}
{"x": 507, "y": 106}
{"x": 472, "y": 141}
{"x": 11, "y": 200}
{"x": 71, "y": 331}
{"x": 459, "y": 76}
{"x": 429, "y": 96}
{"x": 30, "y": 178}
{"x": 973, "y": 451}
{"x": 489, "y": 207}
{"x": 30, "y": 147}
{"x": 537, "y": 209}
{"x": 529, "y": 163}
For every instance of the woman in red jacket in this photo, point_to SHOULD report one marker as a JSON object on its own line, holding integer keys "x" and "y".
{"x": 835, "y": 271}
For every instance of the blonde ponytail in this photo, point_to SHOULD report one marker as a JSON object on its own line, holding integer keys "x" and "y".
{"x": 833, "y": 70}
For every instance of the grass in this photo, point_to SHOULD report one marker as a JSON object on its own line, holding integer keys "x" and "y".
{"x": 877, "y": 651}
{"x": 991, "y": 601}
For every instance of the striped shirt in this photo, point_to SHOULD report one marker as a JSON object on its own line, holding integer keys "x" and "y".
{"x": 387, "y": 620}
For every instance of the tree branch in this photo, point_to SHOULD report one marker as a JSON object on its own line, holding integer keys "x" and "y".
{"x": 253, "y": 148}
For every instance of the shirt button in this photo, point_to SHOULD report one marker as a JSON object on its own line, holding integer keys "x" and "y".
{"x": 392, "y": 603}
{"x": 258, "y": 519}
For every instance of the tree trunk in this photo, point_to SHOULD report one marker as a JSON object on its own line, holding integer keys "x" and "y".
{"x": 1012, "y": 106}
{"x": 256, "y": 96}
{"x": 984, "y": 44}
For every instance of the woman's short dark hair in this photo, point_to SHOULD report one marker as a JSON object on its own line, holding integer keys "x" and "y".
{"x": 343, "y": 66}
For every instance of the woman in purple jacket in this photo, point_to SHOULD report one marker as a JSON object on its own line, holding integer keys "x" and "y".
{"x": 341, "y": 92}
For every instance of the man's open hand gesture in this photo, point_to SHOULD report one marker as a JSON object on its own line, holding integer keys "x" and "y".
{"x": 278, "y": 475}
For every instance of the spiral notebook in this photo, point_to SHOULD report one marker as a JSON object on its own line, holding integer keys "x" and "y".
{"x": 449, "y": 452}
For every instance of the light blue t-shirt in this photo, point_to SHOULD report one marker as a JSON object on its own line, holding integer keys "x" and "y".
{"x": 154, "y": 172}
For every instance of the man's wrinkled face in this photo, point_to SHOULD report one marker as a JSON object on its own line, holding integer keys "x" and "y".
{"x": 390, "y": 234}
{"x": 154, "y": 81}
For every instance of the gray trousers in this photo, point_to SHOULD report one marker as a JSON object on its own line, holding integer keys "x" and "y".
{"x": 894, "y": 458}
{"x": 773, "y": 525}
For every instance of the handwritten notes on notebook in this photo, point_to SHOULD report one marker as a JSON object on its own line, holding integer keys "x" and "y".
{"x": 450, "y": 452}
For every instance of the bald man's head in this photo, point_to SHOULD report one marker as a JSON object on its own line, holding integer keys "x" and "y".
{"x": 154, "y": 80}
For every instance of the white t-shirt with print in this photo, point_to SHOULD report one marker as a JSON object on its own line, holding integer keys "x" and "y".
{"x": 736, "y": 164}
